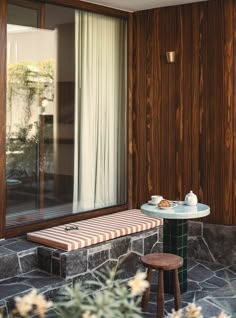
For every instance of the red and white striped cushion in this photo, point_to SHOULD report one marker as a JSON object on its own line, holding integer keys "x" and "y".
{"x": 96, "y": 230}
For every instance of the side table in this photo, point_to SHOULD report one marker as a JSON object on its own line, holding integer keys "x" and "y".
{"x": 175, "y": 235}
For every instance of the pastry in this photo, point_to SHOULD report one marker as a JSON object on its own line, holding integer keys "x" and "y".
{"x": 164, "y": 204}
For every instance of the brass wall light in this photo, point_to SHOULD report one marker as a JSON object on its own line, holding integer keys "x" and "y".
{"x": 170, "y": 56}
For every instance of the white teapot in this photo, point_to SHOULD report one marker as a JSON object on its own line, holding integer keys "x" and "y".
{"x": 191, "y": 198}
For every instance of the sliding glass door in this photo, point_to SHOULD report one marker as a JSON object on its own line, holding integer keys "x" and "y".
{"x": 66, "y": 107}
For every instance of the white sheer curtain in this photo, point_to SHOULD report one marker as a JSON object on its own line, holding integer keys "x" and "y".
{"x": 100, "y": 112}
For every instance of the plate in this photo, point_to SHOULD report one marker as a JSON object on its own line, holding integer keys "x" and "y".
{"x": 172, "y": 206}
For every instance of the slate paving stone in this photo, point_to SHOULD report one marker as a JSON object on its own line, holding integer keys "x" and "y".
{"x": 56, "y": 266}
{"x": 200, "y": 294}
{"x": 5, "y": 251}
{"x": 157, "y": 248}
{"x": 87, "y": 281}
{"x": 219, "y": 239}
{"x": 187, "y": 297}
{"x": 206, "y": 286}
{"x": 208, "y": 309}
{"x": 9, "y": 291}
{"x": 218, "y": 282}
{"x": 9, "y": 265}
{"x": 226, "y": 274}
{"x": 154, "y": 288}
{"x": 119, "y": 247}
{"x": 148, "y": 315}
{"x": 56, "y": 294}
{"x": 149, "y": 243}
{"x": 227, "y": 305}
{"x": 96, "y": 259}
{"x": 227, "y": 291}
{"x": 35, "y": 279}
{"x": 137, "y": 246}
{"x": 198, "y": 249}
{"x": 232, "y": 268}
{"x": 152, "y": 308}
{"x": 103, "y": 269}
{"x": 199, "y": 273}
{"x": 191, "y": 263}
{"x": 21, "y": 246}
{"x": 28, "y": 262}
{"x": 169, "y": 305}
{"x": 193, "y": 286}
{"x": 128, "y": 265}
{"x": 73, "y": 263}
{"x": 153, "y": 297}
{"x": 8, "y": 241}
{"x": 213, "y": 266}
{"x": 194, "y": 228}
{"x": 45, "y": 259}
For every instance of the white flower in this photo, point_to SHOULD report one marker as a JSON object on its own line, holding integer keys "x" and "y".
{"x": 192, "y": 311}
{"x": 42, "y": 305}
{"x": 26, "y": 303}
{"x": 138, "y": 284}
{"x": 224, "y": 315}
{"x": 176, "y": 314}
{"x": 87, "y": 314}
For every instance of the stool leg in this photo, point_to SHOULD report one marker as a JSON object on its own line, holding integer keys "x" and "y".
{"x": 147, "y": 292}
{"x": 160, "y": 295}
{"x": 177, "y": 290}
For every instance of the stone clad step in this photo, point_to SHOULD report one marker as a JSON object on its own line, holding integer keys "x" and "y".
{"x": 122, "y": 253}
{"x": 25, "y": 265}
{"x": 17, "y": 256}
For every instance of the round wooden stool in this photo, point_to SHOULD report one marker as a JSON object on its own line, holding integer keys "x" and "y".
{"x": 162, "y": 262}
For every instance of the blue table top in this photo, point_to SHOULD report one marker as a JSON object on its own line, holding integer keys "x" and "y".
{"x": 179, "y": 211}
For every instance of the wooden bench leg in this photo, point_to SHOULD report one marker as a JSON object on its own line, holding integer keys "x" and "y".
{"x": 177, "y": 290}
{"x": 147, "y": 292}
{"x": 160, "y": 295}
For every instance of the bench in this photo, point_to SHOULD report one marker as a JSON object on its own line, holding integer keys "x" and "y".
{"x": 116, "y": 240}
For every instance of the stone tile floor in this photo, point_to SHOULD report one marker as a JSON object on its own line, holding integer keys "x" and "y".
{"x": 210, "y": 285}
{"x": 213, "y": 286}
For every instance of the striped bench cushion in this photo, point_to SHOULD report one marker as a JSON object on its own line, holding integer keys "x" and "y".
{"x": 96, "y": 230}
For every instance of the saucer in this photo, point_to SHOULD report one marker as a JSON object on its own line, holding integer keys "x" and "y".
{"x": 152, "y": 203}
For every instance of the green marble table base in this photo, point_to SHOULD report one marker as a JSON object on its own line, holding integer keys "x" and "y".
{"x": 175, "y": 242}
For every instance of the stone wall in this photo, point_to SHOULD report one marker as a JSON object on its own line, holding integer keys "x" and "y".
{"x": 85, "y": 264}
{"x": 212, "y": 242}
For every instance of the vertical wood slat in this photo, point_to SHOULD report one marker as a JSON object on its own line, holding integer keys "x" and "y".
{"x": 203, "y": 97}
{"x": 3, "y": 39}
{"x": 215, "y": 106}
{"x": 228, "y": 114}
{"x": 195, "y": 98}
{"x": 164, "y": 30}
{"x": 150, "y": 119}
{"x": 157, "y": 84}
{"x": 172, "y": 21}
{"x": 234, "y": 116}
{"x": 187, "y": 98}
{"x": 179, "y": 108}
{"x": 139, "y": 111}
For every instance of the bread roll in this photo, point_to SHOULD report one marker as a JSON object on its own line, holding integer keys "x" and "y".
{"x": 164, "y": 204}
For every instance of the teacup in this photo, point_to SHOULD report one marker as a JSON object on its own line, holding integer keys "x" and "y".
{"x": 156, "y": 198}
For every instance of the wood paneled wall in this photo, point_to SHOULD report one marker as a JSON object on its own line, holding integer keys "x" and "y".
{"x": 184, "y": 114}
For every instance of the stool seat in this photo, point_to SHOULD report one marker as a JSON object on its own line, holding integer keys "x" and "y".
{"x": 162, "y": 261}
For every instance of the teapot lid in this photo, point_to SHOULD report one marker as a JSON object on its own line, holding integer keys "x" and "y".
{"x": 191, "y": 193}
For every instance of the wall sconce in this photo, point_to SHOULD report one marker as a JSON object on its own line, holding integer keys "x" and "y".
{"x": 170, "y": 56}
